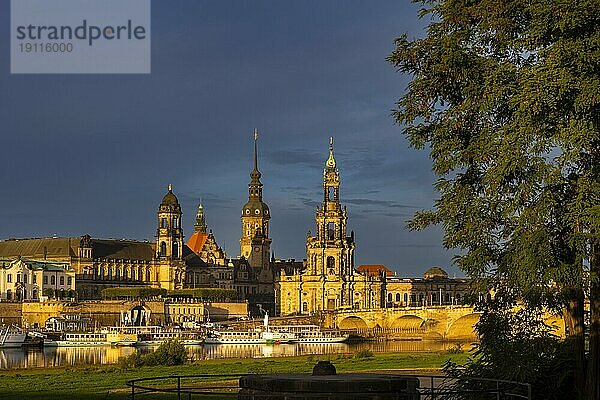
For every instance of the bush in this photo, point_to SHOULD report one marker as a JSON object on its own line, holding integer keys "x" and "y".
{"x": 456, "y": 349}
{"x": 518, "y": 346}
{"x": 364, "y": 353}
{"x": 170, "y": 352}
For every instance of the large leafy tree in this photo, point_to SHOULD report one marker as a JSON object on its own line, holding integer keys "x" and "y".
{"x": 506, "y": 96}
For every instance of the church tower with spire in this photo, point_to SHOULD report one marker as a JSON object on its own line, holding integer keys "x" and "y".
{"x": 255, "y": 244}
{"x": 326, "y": 281}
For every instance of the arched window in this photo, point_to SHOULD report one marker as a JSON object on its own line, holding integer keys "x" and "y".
{"x": 175, "y": 222}
{"x": 331, "y": 231}
{"x": 175, "y": 249}
{"x": 405, "y": 298}
{"x": 132, "y": 273}
{"x": 389, "y": 298}
{"x": 118, "y": 273}
{"x": 109, "y": 273}
{"x": 53, "y": 280}
{"x": 124, "y": 273}
{"x": 9, "y": 294}
{"x": 140, "y": 274}
{"x": 305, "y": 307}
{"x": 163, "y": 223}
{"x": 330, "y": 192}
{"x": 330, "y": 262}
{"x": 34, "y": 294}
{"x": 163, "y": 249}
{"x": 447, "y": 298}
{"x": 397, "y": 296}
{"x": 147, "y": 275}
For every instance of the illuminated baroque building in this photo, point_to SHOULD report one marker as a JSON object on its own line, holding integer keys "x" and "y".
{"x": 327, "y": 279}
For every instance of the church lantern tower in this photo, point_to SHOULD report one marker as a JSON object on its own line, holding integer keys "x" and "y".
{"x": 255, "y": 244}
{"x": 169, "y": 235}
{"x": 330, "y": 253}
{"x": 200, "y": 225}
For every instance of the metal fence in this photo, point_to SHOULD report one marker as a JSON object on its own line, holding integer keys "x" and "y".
{"x": 224, "y": 386}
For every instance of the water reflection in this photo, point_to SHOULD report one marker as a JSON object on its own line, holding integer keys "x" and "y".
{"x": 64, "y": 356}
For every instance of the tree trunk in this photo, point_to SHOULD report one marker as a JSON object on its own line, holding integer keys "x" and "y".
{"x": 593, "y": 372}
{"x": 574, "y": 322}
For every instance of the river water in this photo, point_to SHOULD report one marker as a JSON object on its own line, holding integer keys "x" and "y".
{"x": 65, "y": 356}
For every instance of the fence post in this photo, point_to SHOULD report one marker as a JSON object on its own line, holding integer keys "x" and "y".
{"x": 179, "y": 388}
{"x": 497, "y": 390}
{"x": 133, "y": 390}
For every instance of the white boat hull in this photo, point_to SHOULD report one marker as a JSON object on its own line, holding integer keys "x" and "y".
{"x": 69, "y": 343}
{"x": 185, "y": 342}
{"x": 333, "y": 339}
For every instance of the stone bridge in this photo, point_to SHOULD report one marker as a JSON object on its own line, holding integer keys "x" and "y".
{"x": 433, "y": 322}
{"x": 436, "y": 322}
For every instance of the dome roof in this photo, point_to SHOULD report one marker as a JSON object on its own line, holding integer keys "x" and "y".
{"x": 256, "y": 209}
{"x": 170, "y": 199}
{"x": 435, "y": 273}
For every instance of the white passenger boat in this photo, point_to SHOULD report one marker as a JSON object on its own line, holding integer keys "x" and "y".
{"x": 11, "y": 336}
{"x": 248, "y": 337}
{"x": 76, "y": 339}
{"x": 187, "y": 338}
{"x": 313, "y": 334}
{"x": 265, "y": 335}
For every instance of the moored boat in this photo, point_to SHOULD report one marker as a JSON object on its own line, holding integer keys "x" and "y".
{"x": 265, "y": 335}
{"x": 77, "y": 339}
{"x": 314, "y": 334}
{"x": 11, "y": 336}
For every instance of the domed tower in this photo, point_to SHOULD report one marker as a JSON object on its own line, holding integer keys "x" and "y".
{"x": 255, "y": 244}
{"x": 169, "y": 235}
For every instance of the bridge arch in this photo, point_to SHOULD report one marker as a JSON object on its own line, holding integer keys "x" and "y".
{"x": 352, "y": 322}
{"x": 407, "y": 322}
{"x": 463, "y": 328}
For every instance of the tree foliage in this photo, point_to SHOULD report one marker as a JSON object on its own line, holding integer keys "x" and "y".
{"x": 135, "y": 292}
{"x": 517, "y": 346}
{"x": 208, "y": 294}
{"x": 506, "y": 97}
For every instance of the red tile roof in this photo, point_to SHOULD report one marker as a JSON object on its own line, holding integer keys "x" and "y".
{"x": 374, "y": 269}
{"x": 196, "y": 241}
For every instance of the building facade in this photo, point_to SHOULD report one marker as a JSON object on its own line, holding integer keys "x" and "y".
{"x": 29, "y": 280}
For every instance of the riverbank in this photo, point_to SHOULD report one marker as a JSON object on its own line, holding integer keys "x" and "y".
{"x": 107, "y": 382}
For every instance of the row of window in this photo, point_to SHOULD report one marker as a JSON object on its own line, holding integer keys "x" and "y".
{"x": 433, "y": 298}
{"x": 21, "y": 294}
{"x": 174, "y": 222}
{"x": 45, "y": 279}
{"x": 101, "y": 273}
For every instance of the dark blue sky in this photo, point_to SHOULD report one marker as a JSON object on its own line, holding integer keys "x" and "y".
{"x": 94, "y": 153}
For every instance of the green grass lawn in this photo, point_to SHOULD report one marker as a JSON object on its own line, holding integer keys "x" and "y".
{"x": 108, "y": 382}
